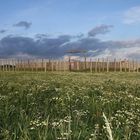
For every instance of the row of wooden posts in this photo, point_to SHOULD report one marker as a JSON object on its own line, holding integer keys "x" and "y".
{"x": 92, "y": 65}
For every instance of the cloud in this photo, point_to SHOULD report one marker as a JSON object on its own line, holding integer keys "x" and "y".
{"x": 132, "y": 15}
{"x": 2, "y": 31}
{"x": 44, "y": 46}
{"x": 101, "y": 29}
{"x": 14, "y": 46}
{"x": 23, "y": 24}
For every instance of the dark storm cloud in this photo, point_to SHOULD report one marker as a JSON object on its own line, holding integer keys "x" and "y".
{"x": 42, "y": 47}
{"x": 2, "y": 31}
{"x": 10, "y": 46}
{"x": 23, "y": 24}
{"x": 45, "y": 46}
{"x": 52, "y": 47}
{"x": 102, "y": 29}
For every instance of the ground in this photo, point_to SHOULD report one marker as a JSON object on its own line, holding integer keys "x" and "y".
{"x": 72, "y": 106}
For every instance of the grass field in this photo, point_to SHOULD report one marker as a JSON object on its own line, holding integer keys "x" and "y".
{"x": 69, "y": 106}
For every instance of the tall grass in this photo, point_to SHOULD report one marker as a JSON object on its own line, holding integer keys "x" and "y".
{"x": 70, "y": 106}
{"x": 108, "y": 129}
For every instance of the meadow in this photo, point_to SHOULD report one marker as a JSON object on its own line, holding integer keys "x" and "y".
{"x": 69, "y": 106}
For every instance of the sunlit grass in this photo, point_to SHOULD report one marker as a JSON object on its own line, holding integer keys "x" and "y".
{"x": 59, "y": 106}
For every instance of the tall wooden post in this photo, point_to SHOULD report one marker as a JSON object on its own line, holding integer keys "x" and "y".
{"x": 59, "y": 65}
{"x": 45, "y": 65}
{"x": 21, "y": 66}
{"x": 6, "y": 64}
{"x": 69, "y": 63}
{"x": 85, "y": 63}
{"x": 133, "y": 65}
{"x": 77, "y": 65}
{"x": 125, "y": 66}
{"x": 129, "y": 65}
{"x": 52, "y": 65}
{"x": 42, "y": 62}
{"x": 115, "y": 64}
{"x": 137, "y": 66}
{"x": 17, "y": 64}
{"x": 13, "y": 65}
{"x": 120, "y": 65}
{"x": 2, "y": 65}
{"x": 96, "y": 65}
{"x": 103, "y": 65}
{"x": 99, "y": 65}
{"x": 91, "y": 65}
{"x": 35, "y": 63}
{"x": 107, "y": 65}
{"x": 28, "y": 61}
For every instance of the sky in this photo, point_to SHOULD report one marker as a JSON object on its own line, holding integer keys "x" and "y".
{"x": 48, "y": 28}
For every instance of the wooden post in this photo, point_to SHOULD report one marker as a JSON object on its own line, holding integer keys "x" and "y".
{"x": 115, "y": 64}
{"x": 125, "y": 65}
{"x": 129, "y": 65}
{"x": 77, "y": 66}
{"x": 59, "y": 65}
{"x": 13, "y": 65}
{"x": 99, "y": 65}
{"x": 62, "y": 63}
{"x": 21, "y": 65}
{"x": 42, "y": 61}
{"x": 18, "y": 65}
{"x": 90, "y": 65}
{"x": 5, "y": 64}
{"x": 35, "y": 63}
{"x": 56, "y": 65}
{"x": 85, "y": 66}
{"x": 45, "y": 66}
{"x": 69, "y": 63}
{"x": 52, "y": 65}
{"x": 133, "y": 65}
{"x": 24, "y": 65}
{"x": 32, "y": 66}
{"x": 0, "y": 65}
{"x": 9, "y": 64}
{"x": 96, "y": 65}
{"x": 28, "y": 64}
{"x": 103, "y": 65}
{"x": 107, "y": 65}
{"x": 120, "y": 65}
{"x": 137, "y": 66}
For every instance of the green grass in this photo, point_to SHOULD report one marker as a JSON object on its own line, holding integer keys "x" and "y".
{"x": 69, "y": 106}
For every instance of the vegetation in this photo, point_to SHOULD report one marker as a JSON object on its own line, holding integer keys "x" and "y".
{"x": 69, "y": 106}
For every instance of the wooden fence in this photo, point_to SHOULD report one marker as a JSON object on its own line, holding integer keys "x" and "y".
{"x": 91, "y": 65}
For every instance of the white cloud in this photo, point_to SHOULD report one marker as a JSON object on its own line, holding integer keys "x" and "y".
{"x": 132, "y": 15}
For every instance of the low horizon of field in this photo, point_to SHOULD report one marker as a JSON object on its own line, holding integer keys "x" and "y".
{"x": 69, "y": 106}
{"x": 98, "y": 76}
